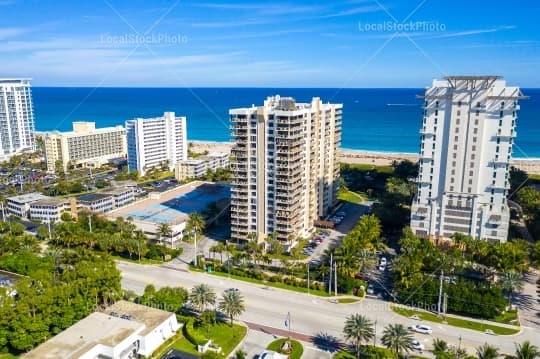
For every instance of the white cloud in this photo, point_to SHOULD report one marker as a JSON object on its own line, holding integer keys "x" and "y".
{"x": 11, "y": 32}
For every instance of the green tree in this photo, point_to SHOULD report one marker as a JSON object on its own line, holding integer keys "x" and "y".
{"x": 397, "y": 339}
{"x": 202, "y": 296}
{"x": 440, "y": 347}
{"x": 164, "y": 231}
{"x": 232, "y": 304}
{"x": 487, "y": 351}
{"x": 527, "y": 351}
{"x": 511, "y": 282}
{"x": 358, "y": 328}
{"x": 207, "y": 319}
{"x": 195, "y": 224}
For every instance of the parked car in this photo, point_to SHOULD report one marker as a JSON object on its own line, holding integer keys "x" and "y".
{"x": 341, "y": 214}
{"x": 416, "y": 345}
{"x": 370, "y": 289}
{"x": 421, "y": 328}
{"x": 382, "y": 267}
{"x": 383, "y": 261}
{"x": 231, "y": 290}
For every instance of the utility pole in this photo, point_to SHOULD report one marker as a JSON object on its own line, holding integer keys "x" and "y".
{"x": 307, "y": 278}
{"x": 195, "y": 238}
{"x": 49, "y": 226}
{"x": 375, "y": 334}
{"x": 445, "y": 304}
{"x": 335, "y": 278}
{"x": 90, "y": 222}
{"x": 440, "y": 292}
{"x": 330, "y": 276}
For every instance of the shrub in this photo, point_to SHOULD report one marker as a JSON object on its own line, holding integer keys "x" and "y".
{"x": 191, "y": 334}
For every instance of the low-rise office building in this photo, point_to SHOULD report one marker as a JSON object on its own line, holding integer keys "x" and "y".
{"x": 96, "y": 202}
{"x": 125, "y": 330}
{"x": 20, "y": 205}
{"x": 121, "y": 195}
{"x": 49, "y": 209}
{"x": 197, "y": 168}
{"x": 85, "y": 146}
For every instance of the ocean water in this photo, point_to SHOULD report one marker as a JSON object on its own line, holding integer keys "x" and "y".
{"x": 384, "y": 120}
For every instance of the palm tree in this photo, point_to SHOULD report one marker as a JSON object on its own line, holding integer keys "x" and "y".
{"x": 440, "y": 347}
{"x": 358, "y": 328}
{"x": 232, "y": 304}
{"x": 487, "y": 351}
{"x": 163, "y": 231}
{"x": 510, "y": 282}
{"x": 397, "y": 339}
{"x": 201, "y": 296}
{"x": 195, "y": 224}
{"x": 527, "y": 351}
{"x": 366, "y": 260}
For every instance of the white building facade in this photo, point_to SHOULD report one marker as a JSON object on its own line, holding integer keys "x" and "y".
{"x": 285, "y": 169}
{"x": 49, "y": 210}
{"x": 197, "y": 167}
{"x": 155, "y": 142}
{"x": 85, "y": 146}
{"x": 17, "y": 123}
{"x": 466, "y": 146}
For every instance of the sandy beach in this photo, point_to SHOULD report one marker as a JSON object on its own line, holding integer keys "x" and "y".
{"x": 531, "y": 166}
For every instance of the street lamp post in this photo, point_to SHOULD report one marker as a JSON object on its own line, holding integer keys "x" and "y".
{"x": 375, "y": 334}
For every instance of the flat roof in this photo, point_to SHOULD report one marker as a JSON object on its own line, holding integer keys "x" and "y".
{"x": 90, "y": 197}
{"x": 95, "y": 131}
{"x": 116, "y": 190}
{"x": 150, "y": 317}
{"x": 95, "y": 329}
{"x": 51, "y": 201}
{"x": 27, "y": 198}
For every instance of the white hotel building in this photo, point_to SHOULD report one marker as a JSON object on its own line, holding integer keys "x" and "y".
{"x": 466, "y": 146}
{"x": 85, "y": 146}
{"x": 153, "y": 142}
{"x": 285, "y": 169}
{"x": 16, "y": 118}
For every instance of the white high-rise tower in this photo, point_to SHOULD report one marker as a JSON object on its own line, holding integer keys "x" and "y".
{"x": 466, "y": 145}
{"x": 16, "y": 117}
{"x": 285, "y": 169}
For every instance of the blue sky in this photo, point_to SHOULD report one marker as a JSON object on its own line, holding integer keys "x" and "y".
{"x": 341, "y": 43}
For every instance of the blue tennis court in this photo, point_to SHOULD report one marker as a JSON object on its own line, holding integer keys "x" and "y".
{"x": 177, "y": 204}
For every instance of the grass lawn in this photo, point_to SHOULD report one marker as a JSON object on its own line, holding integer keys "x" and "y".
{"x": 348, "y": 300}
{"x": 8, "y": 356}
{"x": 509, "y": 317}
{"x": 162, "y": 175}
{"x": 370, "y": 352}
{"x": 221, "y": 334}
{"x": 319, "y": 293}
{"x": 469, "y": 324}
{"x": 297, "y": 348}
{"x": 352, "y": 197}
{"x": 135, "y": 259}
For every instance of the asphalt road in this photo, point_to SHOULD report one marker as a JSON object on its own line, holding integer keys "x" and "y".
{"x": 310, "y": 315}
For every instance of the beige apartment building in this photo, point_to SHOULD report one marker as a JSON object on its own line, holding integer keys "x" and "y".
{"x": 197, "y": 167}
{"x": 85, "y": 146}
{"x": 284, "y": 166}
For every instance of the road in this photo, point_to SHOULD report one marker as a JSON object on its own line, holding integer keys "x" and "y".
{"x": 313, "y": 316}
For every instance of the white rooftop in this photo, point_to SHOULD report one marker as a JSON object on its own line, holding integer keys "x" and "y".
{"x": 81, "y": 337}
{"x": 28, "y": 197}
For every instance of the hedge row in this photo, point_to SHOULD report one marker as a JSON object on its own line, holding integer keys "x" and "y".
{"x": 191, "y": 334}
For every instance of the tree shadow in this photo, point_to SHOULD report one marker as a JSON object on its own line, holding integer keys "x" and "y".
{"x": 327, "y": 342}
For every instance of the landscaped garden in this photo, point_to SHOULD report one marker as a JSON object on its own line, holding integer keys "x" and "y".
{"x": 289, "y": 347}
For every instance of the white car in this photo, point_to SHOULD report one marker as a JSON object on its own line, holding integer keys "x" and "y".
{"x": 383, "y": 261}
{"x": 416, "y": 345}
{"x": 370, "y": 289}
{"x": 421, "y": 328}
{"x": 382, "y": 267}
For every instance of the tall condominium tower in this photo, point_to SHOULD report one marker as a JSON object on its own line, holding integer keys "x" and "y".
{"x": 154, "y": 142}
{"x": 16, "y": 117}
{"x": 466, "y": 145}
{"x": 285, "y": 167}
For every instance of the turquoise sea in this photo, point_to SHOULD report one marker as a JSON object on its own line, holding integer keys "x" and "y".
{"x": 382, "y": 120}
